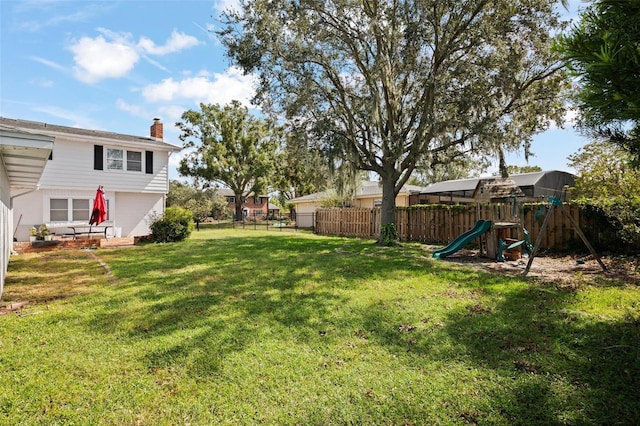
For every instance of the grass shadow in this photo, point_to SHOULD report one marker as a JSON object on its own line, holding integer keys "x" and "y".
{"x": 558, "y": 365}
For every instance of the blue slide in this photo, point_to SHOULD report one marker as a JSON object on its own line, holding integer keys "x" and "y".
{"x": 480, "y": 228}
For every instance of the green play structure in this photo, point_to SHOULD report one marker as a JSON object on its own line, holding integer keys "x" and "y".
{"x": 480, "y": 228}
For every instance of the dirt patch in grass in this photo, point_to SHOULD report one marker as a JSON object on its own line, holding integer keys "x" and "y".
{"x": 559, "y": 268}
{"x": 59, "y": 275}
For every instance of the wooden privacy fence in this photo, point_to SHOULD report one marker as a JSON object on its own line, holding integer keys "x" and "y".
{"x": 439, "y": 224}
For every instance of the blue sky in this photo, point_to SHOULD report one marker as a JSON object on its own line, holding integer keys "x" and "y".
{"x": 116, "y": 65}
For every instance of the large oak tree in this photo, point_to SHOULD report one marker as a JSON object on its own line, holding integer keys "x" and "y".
{"x": 229, "y": 146}
{"x": 395, "y": 83}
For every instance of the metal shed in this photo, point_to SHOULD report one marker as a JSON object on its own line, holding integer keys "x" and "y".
{"x": 535, "y": 187}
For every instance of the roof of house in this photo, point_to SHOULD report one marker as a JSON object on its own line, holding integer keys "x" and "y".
{"x": 367, "y": 189}
{"x": 521, "y": 180}
{"x": 12, "y": 124}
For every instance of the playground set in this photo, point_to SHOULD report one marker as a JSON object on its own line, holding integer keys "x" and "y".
{"x": 502, "y": 233}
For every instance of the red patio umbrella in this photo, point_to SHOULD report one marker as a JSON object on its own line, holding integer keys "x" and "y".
{"x": 99, "y": 211}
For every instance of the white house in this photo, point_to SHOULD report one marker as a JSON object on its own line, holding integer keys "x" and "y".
{"x": 23, "y": 156}
{"x": 133, "y": 171}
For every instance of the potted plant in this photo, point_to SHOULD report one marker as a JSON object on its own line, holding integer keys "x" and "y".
{"x": 33, "y": 234}
{"x": 44, "y": 232}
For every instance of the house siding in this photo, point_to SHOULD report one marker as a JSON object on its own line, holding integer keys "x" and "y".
{"x": 72, "y": 167}
{"x": 253, "y": 208}
{"x": 133, "y": 212}
{"x": 128, "y": 211}
{"x": 35, "y": 208}
{"x": 305, "y": 214}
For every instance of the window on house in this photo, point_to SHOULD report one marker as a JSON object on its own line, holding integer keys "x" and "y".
{"x": 134, "y": 161}
{"x": 81, "y": 210}
{"x": 58, "y": 210}
{"x": 78, "y": 209}
{"x": 231, "y": 199}
{"x": 115, "y": 159}
{"x": 257, "y": 200}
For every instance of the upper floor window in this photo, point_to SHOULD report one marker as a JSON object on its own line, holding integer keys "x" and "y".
{"x": 257, "y": 200}
{"x": 231, "y": 199}
{"x": 122, "y": 159}
{"x": 134, "y": 161}
{"x": 116, "y": 160}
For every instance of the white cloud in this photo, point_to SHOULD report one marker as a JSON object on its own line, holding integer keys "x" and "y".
{"x": 205, "y": 87}
{"x": 113, "y": 54}
{"x": 175, "y": 43}
{"x": 75, "y": 119}
{"x": 208, "y": 30}
{"x": 55, "y": 13}
{"x": 97, "y": 58}
{"x": 42, "y": 82}
{"x": 135, "y": 110}
{"x": 227, "y": 5}
{"x": 48, "y": 63}
{"x": 171, "y": 113}
{"x": 570, "y": 117}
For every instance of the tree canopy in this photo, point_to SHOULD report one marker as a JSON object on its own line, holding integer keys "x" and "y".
{"x": 602, "y": 51}
{"x": 607, "y": 181}
{"x": 301, "y": 168}
{"x": 604, "y": 172}
{"x": 229, "y": 146}
{"x": 202, "y": 202}
{"x": 386, "y": 85}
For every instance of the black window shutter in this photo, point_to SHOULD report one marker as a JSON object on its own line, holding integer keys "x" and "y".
{"x": 51, "y": 155}
{"x": 148, "y": 161}
{"x": 97, "y": 157}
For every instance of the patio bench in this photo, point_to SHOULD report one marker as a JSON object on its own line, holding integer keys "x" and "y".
{"x": 89, "y": 230}
{"x": 76, "y": 229}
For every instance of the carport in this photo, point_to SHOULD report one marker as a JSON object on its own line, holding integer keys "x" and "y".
{"x": 23, "y": 157}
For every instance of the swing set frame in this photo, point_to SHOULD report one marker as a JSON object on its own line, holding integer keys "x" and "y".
{"x": 556, "y": 202}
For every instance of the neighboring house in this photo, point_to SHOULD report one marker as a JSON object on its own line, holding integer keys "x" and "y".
{"x": 254, "y": 205}
{"x": 368, "y": 195}
{"x": 274, "y": 210}
{"x": 535, "y": 186}
{"x": 23, "y": 156}
{"x": 133, "y": 171}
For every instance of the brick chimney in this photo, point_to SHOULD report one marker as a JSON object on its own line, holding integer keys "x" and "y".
{"x": 156, "y": 129}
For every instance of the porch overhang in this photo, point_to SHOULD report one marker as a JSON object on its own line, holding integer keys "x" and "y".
{"x": 24, "y": 156}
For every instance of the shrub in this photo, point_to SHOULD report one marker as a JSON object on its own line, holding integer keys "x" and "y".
{"x": 623, "y": 217}
{"x": 175, "y": 225}
{"x": 388, "y": 235}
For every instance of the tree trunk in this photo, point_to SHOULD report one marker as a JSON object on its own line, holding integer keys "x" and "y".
{"x": 388, "y": 232}
{"x": 388, "y": 208}
{"x": 239, "y": 213}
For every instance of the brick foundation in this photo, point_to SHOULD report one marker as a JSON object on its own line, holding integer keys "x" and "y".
{"x": 68, "y": 244}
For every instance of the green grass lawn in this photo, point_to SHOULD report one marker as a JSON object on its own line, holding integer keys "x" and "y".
{"x": 244, "y": 327}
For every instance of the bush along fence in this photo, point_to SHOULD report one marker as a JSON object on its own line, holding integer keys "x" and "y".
{"x": 440, "y": 224}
